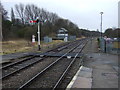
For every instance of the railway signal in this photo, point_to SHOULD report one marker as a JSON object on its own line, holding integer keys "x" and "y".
{"x": 39, "y": 29}
{"x": 33, "y": 21}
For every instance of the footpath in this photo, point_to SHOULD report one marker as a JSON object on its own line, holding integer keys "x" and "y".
{"x": 99, "y": 70}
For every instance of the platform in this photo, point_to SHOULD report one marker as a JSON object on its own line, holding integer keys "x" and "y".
{"x": 82, "y": 79}
{"x": 105, "y": 70}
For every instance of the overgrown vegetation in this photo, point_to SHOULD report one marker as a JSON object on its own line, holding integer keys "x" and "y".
{"x": 13, "y": 46}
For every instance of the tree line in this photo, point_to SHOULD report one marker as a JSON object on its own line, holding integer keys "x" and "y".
{"x": 19, "y": 26}
{"x": 112, "y": 32}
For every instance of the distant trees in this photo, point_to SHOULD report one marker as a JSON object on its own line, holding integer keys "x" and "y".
{"x": 112, "y": 33}
{"x": 31, "y": 12}
{"x": 20, "y": 27}
{"x": 6, "y": 24}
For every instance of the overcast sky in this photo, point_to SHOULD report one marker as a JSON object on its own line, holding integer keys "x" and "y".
{"x": 84, "y": 13}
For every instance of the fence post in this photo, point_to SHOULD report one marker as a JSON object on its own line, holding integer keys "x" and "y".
{"x": 105, "y": 45}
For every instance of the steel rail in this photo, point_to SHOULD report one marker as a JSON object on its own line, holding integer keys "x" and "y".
{"x": 6, "y": 66}
{"x": 61, "y": 47}
{"x": 58, "y": 48}
{"x": 21, "y": 68}
{"x": 9, "y": 65}
{"x": 66, "y": 70}
{"x": 45, "y": 69}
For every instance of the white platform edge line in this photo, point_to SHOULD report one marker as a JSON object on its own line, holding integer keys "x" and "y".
{"x": 73, "y": 80}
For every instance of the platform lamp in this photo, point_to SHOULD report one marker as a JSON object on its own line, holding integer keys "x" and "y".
{"x": 101, "y": 13}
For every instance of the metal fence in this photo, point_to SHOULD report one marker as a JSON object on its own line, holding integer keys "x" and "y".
{"x": 110, "y": 45}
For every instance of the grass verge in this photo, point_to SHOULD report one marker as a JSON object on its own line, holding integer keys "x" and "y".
{"x": 25, "y": 46}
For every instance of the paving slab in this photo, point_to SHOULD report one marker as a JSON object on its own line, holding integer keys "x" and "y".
{"x": 104, "y": 66}
{"x": 82, "y": 79}
{"x": 103, "y": 78}
{"x": 85, "y": 74}
{"x": 86, "y": 69}
{"x": 82, "y": 82}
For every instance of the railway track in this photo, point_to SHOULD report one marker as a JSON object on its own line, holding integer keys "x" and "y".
{"x": 15, "y": 67}
{"x": 54, "y": 64}
{"x": 54, "y": 68}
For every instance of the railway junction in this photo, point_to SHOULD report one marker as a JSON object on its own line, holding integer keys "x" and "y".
{"x": 76, "y": 64}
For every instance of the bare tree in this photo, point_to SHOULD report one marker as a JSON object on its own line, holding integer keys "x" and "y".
{"x": 31, "y": 12}
{"x": 52, "y": 17}
{"x": 4, "y": 12}
{"x": 12, "y": 16}
{"x": 20, "y": 12}
{"x": 36, "y": 11}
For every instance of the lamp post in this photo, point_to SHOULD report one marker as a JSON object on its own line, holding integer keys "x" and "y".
{"x": 101, "y": 23}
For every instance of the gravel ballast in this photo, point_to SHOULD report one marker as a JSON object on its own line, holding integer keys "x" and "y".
{"x": 50, "y": 77}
